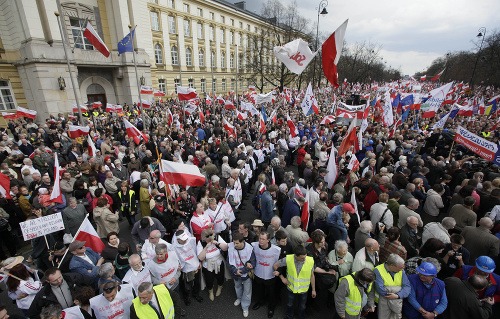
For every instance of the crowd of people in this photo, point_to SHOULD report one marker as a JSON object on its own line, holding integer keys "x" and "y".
{"x": 413, "y": 232}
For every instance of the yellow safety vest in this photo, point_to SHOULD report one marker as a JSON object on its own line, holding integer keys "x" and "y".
{"x": 164, "y": 302}
{"x": 353, "y": 301}
{"x": 132, "y": 193}
{"x": 299, "y": 283}
{"x": 397, "y": 281}
{"x": 486, "y": 134}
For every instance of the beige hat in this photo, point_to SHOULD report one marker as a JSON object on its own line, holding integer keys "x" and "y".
{"x": 258, "y": 222}
{"x": 10, "y": 262}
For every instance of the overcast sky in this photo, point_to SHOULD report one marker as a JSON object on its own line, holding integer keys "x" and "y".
{"x": 412, "y": 33}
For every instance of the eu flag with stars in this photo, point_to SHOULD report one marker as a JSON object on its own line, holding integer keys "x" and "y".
{"x": 127, "y": 44}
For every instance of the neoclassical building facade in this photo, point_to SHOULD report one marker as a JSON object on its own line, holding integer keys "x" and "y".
{"x": 197, "y": 43}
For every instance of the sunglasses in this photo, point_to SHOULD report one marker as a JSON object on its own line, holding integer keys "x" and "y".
{"x": 109, "y": 289}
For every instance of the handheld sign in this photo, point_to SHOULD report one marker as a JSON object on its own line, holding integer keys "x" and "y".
{"x": 41, "y": 226}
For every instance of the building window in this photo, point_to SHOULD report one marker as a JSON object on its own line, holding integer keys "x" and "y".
{"x": 199, "y": 30}
{"x": 7, "y": 101}
{"x": 203, "y": 85}
{"x": 158, "y": 54}
{"x": 171, "y": 24}
{"x": 222, "y": 35}
{"x": 175, "y": 56}
{"x": 248, "y": 27}
{"x": 240, "y": 39}
{"x": 155, "y": 21}
{"x": 231, "y": 37}
{"x": 189, "y": 60}
{"x": 255, "y": 29}
{"x": 77, "y": 27}
{"x": 171, "y": 3}
{"x": 222, "y": 19}
{"x": 214, "y": 85}
{"x": 232, "y": 22}
{"x": 224, "y": 88}
{"x": 212, "y": 33}
{"x": 162, "y": 86}
{"x": 212, "y": 59}
{"x": 186, "y": 7}
{"x": 233, "y": 84}
{"x": 177, "y": 83}
{"x": 200, "y": 12}
{"x": 231, "y": 61}
{"x": 223, "y": 59}
{"x": 187, "y": 28}
{"x": 191, "y": 83}
{"x": 212, "y": 16}
{"x": 241, "y": 25}
{"x": 201, "y": 58}
{"x": 240, "y": 62}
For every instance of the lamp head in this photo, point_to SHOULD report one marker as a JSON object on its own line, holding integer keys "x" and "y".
{"x": 323, "y": 11}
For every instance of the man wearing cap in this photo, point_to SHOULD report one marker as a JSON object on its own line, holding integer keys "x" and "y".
{"x": 185, "y": 247}
{"x": 85, "y": 261}
{"x": 114, "y": 302}
{"x": 485, "y": 267}
{"x": 335, "y": 219}
{"x": 427, "y": 298}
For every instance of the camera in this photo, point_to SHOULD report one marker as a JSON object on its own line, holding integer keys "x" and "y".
{"x": 327, "y": 267}
{"x": 457, "y": 254}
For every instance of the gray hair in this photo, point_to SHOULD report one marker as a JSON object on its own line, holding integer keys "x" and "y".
{"x": 295, "y": 222}
{"x": 160, "y": 248}
{"x": 341, "y": 244}
{"x": 51, "y": 311}
{"x": 145, "y": 286}
{"x": 366, "y": 226}
{"x": 395, "y": 260}
{"x": 106, "y": 270}
{"x": 133, "y": 256}
{"x": 144, "y": 182}
{"x": 283, "y": 187}
{"x": 413, "y": 202}
{"x": 276, "y": 219}
{"x": 448, "y": 222}
{"x": 72, "y": 200}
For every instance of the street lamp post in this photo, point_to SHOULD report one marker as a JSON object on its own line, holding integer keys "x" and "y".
{"x": 321, "y": 10}
{"x": 482, "y": 35}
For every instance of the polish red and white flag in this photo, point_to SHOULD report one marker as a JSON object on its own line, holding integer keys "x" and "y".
{"x": 228, "y": 127}
{"x": 22, "y": 112}
{"x": 134, "y": 133}
{"x": 241, "y": 115}
{"x": 181, "y": 174}
{"x": 84, "y": 108}
{"x": 94, "y": 38}
{"x": 170, "y": 117}
{"x": 185, "y": 93}
{"x": 76, "y": 131}
{"x": 88, "y": 234}
{"x": 229, "y": 105}
{"x": 9, "y": 116}
{"x": 145, "y": 104}
{"x": 96, "y": 104}
{"x": 158, "y": 93}
{"x": 293, "y": 129}
{"x": 331, "y": 50}
{"x": 146, "y": 89}
{"x": 92, "y": 150}
{"x": 5, "y": 186}
{"x": 56, "y": 195}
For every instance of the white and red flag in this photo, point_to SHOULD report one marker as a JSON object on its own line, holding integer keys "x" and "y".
{"x": 56, "y": 195}
{"x": 331, "y": 50}
{"x": 181, "y": 174}
{"x": 331, "y": 176}
{"x": 22, "y": 112}
{"x": 273, "y": 179}
{"x": 437, "y": 76}
{"x": 309, "y": 103}
{"x": 134, "y": 133}
{"x": 273, "y": 117}
{"x": 228, "y": 127}
{"x": 293, "y": 129}
{"x": 92, "y": 150}
{"x": 170, "y": 117}
{"x": 77, "y": 131}
{"x": 328, "y": 119}
{"x": 145, "y": 104}
{"x": 96, "y": 104}
{"x": 304, "y": 214}
{"x": 423, "y": 78}
{"x": 354, "y": 204}
{"x": 350, "y": 139}
{"x": 229, "y": 105}
{"x": 185, "y": 93}
{"x": 84, "y": 108}
{"x": 190, "y": 108}
{"x": 94, "y": 38}
{"x": 201, "y": 116}
{"x": 9, "y": 116}
{"x": 296, "y": 55}
{"x": 5, "y": 186}
{"x": 208, "y": 100}
{"x": 353, "y": 163}
{"x": 113, "y": 108}
{"x": 146, "y": 89}
{"x": 262, "y": 124}
{"x": 297, "y": 191}
{"x": 221, "y": 100}
{"x": 88, "y": 234}
{"x": 241, "y": 115}
{"x": 437, "y": 97}
{"x": 158, "y": 93}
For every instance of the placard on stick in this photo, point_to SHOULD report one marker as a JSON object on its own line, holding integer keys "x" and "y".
{"x": 41, "y": 226}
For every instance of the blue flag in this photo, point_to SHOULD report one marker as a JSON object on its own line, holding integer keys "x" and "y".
{"x": 396, "y": 101}
{"x": 127, "y": 43}
{"x": 408, "y": 100}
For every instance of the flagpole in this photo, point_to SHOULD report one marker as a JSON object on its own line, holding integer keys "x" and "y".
{"x": 74, "y": 237}
{"x": 137, "y": 80}
{"x": 63, "y": 39}
{"x": 237, "y": 76}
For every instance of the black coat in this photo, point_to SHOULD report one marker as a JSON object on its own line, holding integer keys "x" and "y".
{"x": 463, "y": 302}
